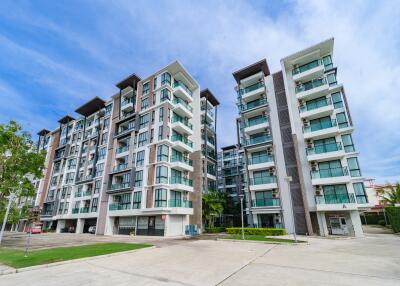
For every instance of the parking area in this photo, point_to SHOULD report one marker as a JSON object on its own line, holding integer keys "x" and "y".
{"x": 373, "y": 260}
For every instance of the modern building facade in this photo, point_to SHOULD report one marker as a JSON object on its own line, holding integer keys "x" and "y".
{"x": 135, "y": 164}
{"x": 295, "y": 131}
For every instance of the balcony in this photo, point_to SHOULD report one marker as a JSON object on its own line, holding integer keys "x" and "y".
{"x": 182, "y": 143}
{"x": 119, "y": 206}
{"x": 181, "y": 125}
{"x": 261, "y": 162}
{"x": 312, "y": 89}
{"x": 120, "y": 186}
{"x": 252, "y": 91}
{"x": 273, "y": 202}
{"x": 120, "y": 167}
{"x": 84, "y": 210}
{"x": 124, "y": 130}
{"x": 330, "y": 176}
{"x": 323, "y": 129}
{"x": 75, "y": 210}
{"x": 181, "y": 163}
{"x": 127, "y": 104}
{"x": 182, "y": 108}
{"x": 87, "y": 193}
{"x": 247, "y": 107}
{"x": 181, "y": 90}
{"x": 310, "y": 70}
{"x": 122, "y": 149}
{"x": 257, "y": 140}
{"x": 256, "y": 125}
{"x": 336, "y": 202}
{"x": 175, "y": 203}
{"x": 320, "y": 109}
{"x": 325, "y": 151}
{"x": 181, "y": 183}
{"x": 263, "y": 183}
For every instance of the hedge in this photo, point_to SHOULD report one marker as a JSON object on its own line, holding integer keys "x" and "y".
{"x": 256, "y": 231}
{"x": 372, "y": 218}
{"x": 393, "y": 214}
{"x": 215, "y": 229}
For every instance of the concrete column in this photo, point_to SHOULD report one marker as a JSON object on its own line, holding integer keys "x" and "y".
{"x": 79, "y": 225}
{"x": 108, "y": 230}
{"x": 356, "y": 221}
{"x": 60, "y": 225}
{"x": 167, "y": 223}
{"x": 323, "y": 227}
{"x": 255, "y": 219}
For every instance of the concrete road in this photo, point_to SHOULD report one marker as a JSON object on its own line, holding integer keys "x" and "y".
{"x": 374, "y": 260}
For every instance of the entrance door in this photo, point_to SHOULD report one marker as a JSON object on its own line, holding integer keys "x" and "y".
{"x": 339, "y": 226}
{"x": 151, "y": 229}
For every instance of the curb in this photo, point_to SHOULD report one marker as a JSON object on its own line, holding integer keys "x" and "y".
{"x": 48, "y": 265}
{"x": 263, "y": 242}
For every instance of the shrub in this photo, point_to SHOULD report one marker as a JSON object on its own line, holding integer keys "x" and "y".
{"x": 382, "y": 222}
{"x": 393, "y": 214}
{"x": 256, "y": 231}
{"x": 215, "y": 229}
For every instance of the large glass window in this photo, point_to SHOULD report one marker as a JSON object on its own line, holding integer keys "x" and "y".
{"x": 165, "y": 95}
{"x": 337, "y": 100}
{"x": 137, "y": 199}
{"x": 175, "y": 199}
{"x": 144, "y": 120}
{"x": 320, "y": 123}
{"x": 139, "y": 158}
{"x": 160, "y": 198}
{"x": 342, "y": 120}
{"x": 331, "y": 79}
{"x": 316, "y": 103}
{"x": 359, "y": 190}
{"x": 146, "y": 88}
{"x": 94, "y": 204}
{"x": 325, "y": 145}
{"x": 166, "y": 78}
{"x": 330, "y": 169}
{"x": 142, "y": 139}
{"x": 161, "y": 175}
{"x": 354, "y": 168}
{"x": 336, "y": 194}
{"x": 348, "y": 143}
{"x": 145, "y": 103}
{"x": 327, "y": 62}
{"x": 162, "y": 153}
{"x": 138, "y": 178}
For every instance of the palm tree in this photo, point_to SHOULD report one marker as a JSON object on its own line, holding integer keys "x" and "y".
{"x": 213, "y": 205}
{"x": 390, "y": 194}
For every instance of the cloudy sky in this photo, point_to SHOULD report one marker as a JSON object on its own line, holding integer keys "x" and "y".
{"x": 54, "y": 57}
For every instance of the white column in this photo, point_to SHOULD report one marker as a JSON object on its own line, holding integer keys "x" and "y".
{"x": 60, "y": 225}
{"x": 79, "y": 225}
{"x": 323, "y": 227}
{"x": 356, "y": 221}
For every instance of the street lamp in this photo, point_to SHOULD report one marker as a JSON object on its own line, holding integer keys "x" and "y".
{"x": 241, "y": 196}
{"x": 288, "y": 179}
{"x": 10, "y": 200}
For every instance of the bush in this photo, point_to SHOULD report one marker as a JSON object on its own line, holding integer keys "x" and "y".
{"x": 256, "y": 231}
{"x": 382, "y": 222}
{"x": 215, "y": 229}
{"x": 371, "y": 218}
{"x": 393, "y": 214}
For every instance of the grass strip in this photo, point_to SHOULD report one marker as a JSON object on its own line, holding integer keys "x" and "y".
{"x": 261, "y": 238}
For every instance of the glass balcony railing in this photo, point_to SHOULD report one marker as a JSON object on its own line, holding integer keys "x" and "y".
{"x": 87, "y": 193}
{"x": 181, "y": 159}
{"x": 307, "y": 67}
{"x": 178, "y": 83}
{"x": 320, "y": 126}
{"x": 311, "y": 84}
{"x": 181, "y": 120}
{"x": 175, "y": 138}
{"x": 209, "y": 111}
{"x": 75, "y": 210}
{"x": 272, "y": 202}
{"x": 324, "y": 148}
{"x": 178, "y": 100}
{"x": 176, "y": 203}
{"x": 251, "y": 88}
{"x": 257, "y": 140}
{"x": 122, "y": 130}
{"x": 261, "y": 159}
{"x": 84, "y": 210}
{"x": 122, "y": 149}
{"x": 257, "y": 121}
{"x": 119, "y": 206}
{"x": 253, "y": 104}
{"x": 118, "y": 186}
{"x": 329, "y": 173}
{"x": 181, "y": 180}
{"x": 263, "y": 180}
{"x": 127, "y": 101}
{"x": 316, "y": 105}
{"x": 335, "y": 199}
{"x": 120, "y": 167}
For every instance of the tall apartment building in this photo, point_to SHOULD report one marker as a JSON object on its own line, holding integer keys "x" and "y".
{"x": 295, "y": 130}
{"x": 136, "y": 163}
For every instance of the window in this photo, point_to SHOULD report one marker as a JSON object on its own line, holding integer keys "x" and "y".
{"x": 155, "y": 83}
{"x": 263, "y": 198}
{"x": 151, "y": 135}
{"x": 154, "y": 98}
{"x": 162, "y": 153}
{"x": 71, "y": 164}
{"x": 142, "y": 139}
{"x": 166, "y": 78}
{"x": 160, "y": 132}
{"x": 69, "y": 178}
{"x": 161, "y": 175}
{"x": 161, "y": 114}
{"x": 330, "y": 169}
{"x": 320, "y": 123}
{"x": 331, "y": 79}
{"x": 160, "y": 198}
{"x": 99, "y": 170}
{"x": 175, "y": 199}
{"x": 94, "y": 205}
{"x": 143, "y": 121}
{"x": 354, "y": 167}
{"x": 257, "y": 157}
{"x": 97, "y": 185}
{"x": 342, "y": 120}
{"x": 325, "y": 145}
{"x": 337, "y": 100}
{"x": 336, "y": 194}
{"x": 138, "y": 178}
{"x": 316, "y": 103}
{"x": 146, "y": 88}
{"x": 153, "y": 116}
{"x": 348, "y": 143}
{"x": 165, "y": 95}
{"x": 255, "y": 120}
{"x": 139, "y": 158}
{"x": 102, "y": 153}
{"x": 359, "y": 190}
{"x": 108, "y": 109}
{"x": 106, "y": 122}
{"x": 137, "y": 199}
{"x": 327, "y": 62}
{"x": 145, "y": 103}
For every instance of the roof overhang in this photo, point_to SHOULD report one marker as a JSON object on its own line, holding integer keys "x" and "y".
{"x": 252, "y": 69}
{"x": 91, "y": 106}
{"x": 43, "y": 132}
{"x": 66, "y": 119}
{"x": 209, "y": 96}
{"x": 131, "y": 81}
{"x": 230, "y": 147}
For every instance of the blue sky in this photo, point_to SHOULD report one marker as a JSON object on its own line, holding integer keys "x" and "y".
{"x": 54, "y": 56}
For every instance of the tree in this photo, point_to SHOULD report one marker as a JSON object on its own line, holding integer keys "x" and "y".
{"x": 20, "y": 163}
{"x": 213, "y": 205}
{"x": 390, "y": 194}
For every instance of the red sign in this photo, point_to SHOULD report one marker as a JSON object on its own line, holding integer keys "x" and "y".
{"x": 163, "y": 217}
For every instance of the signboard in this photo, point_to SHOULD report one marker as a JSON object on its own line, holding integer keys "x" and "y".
{"x": 163, "y": 217}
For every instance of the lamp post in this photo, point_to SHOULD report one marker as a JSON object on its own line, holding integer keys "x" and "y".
{"x": 241, "y": 196}
{"x": 288, "y": 179}
{"x": 10, "y": 200}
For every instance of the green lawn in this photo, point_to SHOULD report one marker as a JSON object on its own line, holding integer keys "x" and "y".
{"x": 16, "y": 259}
{"x": 260, "y": 238}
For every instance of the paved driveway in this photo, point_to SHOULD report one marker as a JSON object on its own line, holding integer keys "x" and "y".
{"x": 374, "y": 260}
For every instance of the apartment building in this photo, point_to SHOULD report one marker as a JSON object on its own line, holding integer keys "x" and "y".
{"x": 295, "y": 130}
{"x": 135, "y": 164}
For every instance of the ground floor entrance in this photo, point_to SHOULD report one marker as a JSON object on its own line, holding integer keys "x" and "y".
{"x": 267, "y": 220}
{"x": 342, "y": 223}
